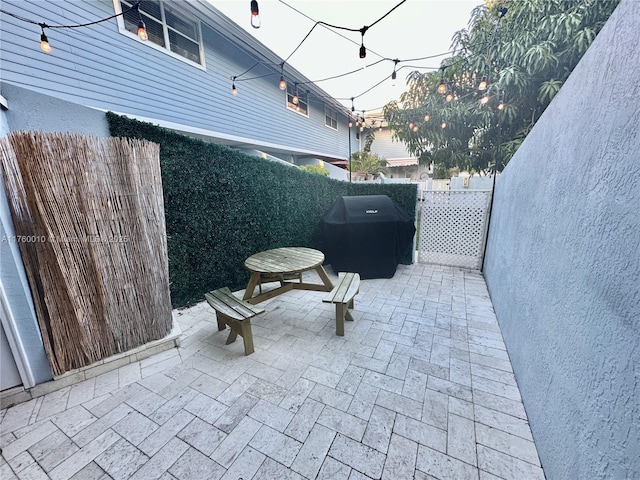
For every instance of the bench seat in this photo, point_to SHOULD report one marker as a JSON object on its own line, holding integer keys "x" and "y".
{"x": 235, "y": 313}
{"x": 342, "y": 296}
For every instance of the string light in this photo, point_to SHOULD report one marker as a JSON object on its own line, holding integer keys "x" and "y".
{"x": 442, "y": 86}
{"x": 443, "y": 125}
{"x": 427, "y": 117}
{"x": 484, "y": 100}
{"x": 295, "y": 99}
{"x": 449, "y": 96}
{"x": 44, "y": 41}
{"x": 142, "y": 30}
{"x": 484, "y": 83}
{"x": 363, "y": 50}
{"x": 255, "y": 14}
{"x": 394, "y": 75}
{"x": 234, "y": 90}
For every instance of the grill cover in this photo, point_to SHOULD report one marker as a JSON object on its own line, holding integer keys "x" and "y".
{"x": 366, "y": 234}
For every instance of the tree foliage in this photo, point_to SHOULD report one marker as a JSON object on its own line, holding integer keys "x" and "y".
{"x": 526, "y": 51}
{"x": 368, "y": 163}
{"x": 316, "y": 169}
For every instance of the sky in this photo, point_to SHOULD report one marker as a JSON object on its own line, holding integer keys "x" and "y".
{"x": 415, "y": 29}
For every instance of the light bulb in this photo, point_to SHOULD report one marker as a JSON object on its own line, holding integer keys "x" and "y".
{"x": 44, "y": 43}
{"x": 255, "y": 14}
{"x": 350, "y": 124}
{"x": 234, "y": 90}
{"x": 442, "y": 87}
{"x": 444, "y": 125}
{"x": 449, "y": 97}
{"x": 483, "y": 83}
{"x": 294, "y": 100}
{"x": 283, "y": 84}
{"x": 363, "y": 51}
{"x": 501, "y": 105}
{"x": 427, "y": 117}
{"x": 411, "y": 125}
{"x": 415, "y": 128}
{"x": 362, "y": 128}
{"x": 142, "y": 31}
{"x": 484, "y": 99}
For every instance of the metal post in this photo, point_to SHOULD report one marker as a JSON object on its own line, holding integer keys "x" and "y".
{"x": 349, "y": 153}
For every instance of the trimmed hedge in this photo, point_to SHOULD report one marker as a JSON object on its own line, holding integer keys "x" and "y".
{"x": 221, "y": 206}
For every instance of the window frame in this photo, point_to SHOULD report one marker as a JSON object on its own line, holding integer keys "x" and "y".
{"x": 165, "y": 30}
{"x": 292, "y": 106}
{"x": 327, "y": 115}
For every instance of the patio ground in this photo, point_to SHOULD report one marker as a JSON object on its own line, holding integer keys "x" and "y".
{"x": 420, "y": 387}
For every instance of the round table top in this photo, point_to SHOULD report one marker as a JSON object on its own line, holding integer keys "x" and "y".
{"x": 284, "y": 260}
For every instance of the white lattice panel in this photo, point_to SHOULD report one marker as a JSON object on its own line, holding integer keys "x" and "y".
{"x": 453, "y": 228}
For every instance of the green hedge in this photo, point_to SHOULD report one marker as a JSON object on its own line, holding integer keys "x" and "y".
{"x": 221, "y": 206}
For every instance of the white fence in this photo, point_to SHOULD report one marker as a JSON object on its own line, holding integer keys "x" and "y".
{"x": 453, "y": 227}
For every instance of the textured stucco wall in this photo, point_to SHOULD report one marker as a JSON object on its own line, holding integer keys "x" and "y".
{"x": 29, "y": 110}
{"x": 563, "y": 263}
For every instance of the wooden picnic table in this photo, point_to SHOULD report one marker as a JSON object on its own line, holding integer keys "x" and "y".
{"x": 284, "y": 265}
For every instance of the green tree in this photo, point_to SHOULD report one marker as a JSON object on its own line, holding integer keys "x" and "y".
{"x": 526, "y": 52}
{"x": 316, "y": 169}
{"x": 368, "y": 163}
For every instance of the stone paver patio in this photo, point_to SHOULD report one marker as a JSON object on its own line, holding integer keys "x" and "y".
{"x": 420, "y": 387}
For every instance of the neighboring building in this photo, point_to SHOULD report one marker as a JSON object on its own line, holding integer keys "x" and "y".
{"x": 180, "y": 78}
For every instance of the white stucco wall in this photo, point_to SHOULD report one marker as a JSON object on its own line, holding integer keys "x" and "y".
{"x": 563, "y": 263}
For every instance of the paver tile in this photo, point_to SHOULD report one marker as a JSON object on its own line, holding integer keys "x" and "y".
{"x": 401, "y": 459}
{"x": 420, "y": 387}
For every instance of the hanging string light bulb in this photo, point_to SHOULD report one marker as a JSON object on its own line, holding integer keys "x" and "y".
{"x": 443, "y": 125}
{"x": 363, "y": 50}
{"x": 484, "y": 100}
{"x": 411, "y": 124}
{"x": 442, "y": 86}
{"x": 449, "y": 96}
{"x": 501, "y": 101}
{"x": 415, "y": 128}
{"x": 394, "y": 75}
{"x": 142, "y": 30}
{"x": 427, "y": 117}
{"x": 283, "y": 83}
{"x": 484, "y": 83}
{"x": 44, "y": 41}
{"x": 255, "y": 14}
{"x": 234, "y": 90}
{"x": 295, "y": 99}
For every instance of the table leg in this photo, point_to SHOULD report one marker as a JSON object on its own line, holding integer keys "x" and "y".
{"x": 325, "y": 278}
{"x": 251, "y": 286}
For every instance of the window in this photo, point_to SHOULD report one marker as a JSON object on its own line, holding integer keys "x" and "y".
{"x": 330, "y": 117}
{"x": 301, "y": 106}
{"x": 166, "y": 28}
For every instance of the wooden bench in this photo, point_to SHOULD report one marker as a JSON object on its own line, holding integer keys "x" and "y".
{"x": 342, "y": 295}
{"x": 236, "y": 313}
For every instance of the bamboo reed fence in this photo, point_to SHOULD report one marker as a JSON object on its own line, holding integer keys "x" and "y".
{"x": 89, "y": 218}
